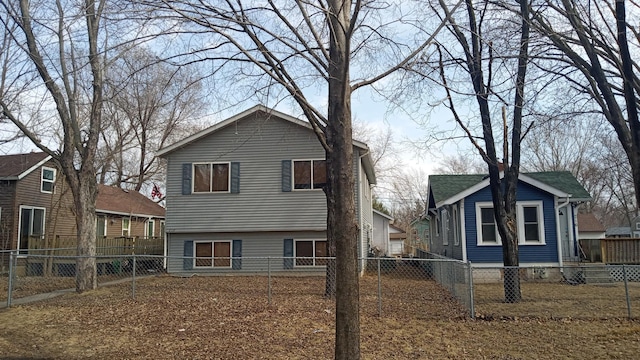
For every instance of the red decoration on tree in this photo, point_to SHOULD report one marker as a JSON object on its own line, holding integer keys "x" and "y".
{"x": 156, "y": 193}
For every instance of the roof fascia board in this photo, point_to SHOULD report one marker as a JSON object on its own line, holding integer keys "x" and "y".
{"x": 129, "y": 214}
{"x": 382, "y": 214}
{"x": 484, "y": 183}
{"x": 33, "y": 168}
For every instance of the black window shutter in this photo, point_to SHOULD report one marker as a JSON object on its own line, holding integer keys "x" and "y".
{"x": 236, "y": 264}
{"x": 187, "y": 263}
{"x": 286, "y": 175}
{"x": 186, "y": 178}
{"x": 288, "y": 254}
{"x": 235, "y": 177}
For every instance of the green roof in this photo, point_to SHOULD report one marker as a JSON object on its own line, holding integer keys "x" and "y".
{"x": 446, "y": 186}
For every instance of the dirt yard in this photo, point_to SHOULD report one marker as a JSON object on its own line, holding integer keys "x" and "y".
{"x": 230, "y": 318}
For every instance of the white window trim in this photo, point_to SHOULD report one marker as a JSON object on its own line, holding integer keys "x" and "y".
{"x": 456, "y": 228}
{"x": 128, "y": 227}
{"x": 293, "y": 175}
{"x": 153, "y": 228}
{"x": 444, "y": 222}
{"x": 638, "y": 226}
{"x": 295, "y": 260}
{"x": 213, "y": 249}
{"x": 44, "y": 221}
{"x": 481, "y": 205}
{"x": 193, "y": 176}
{"x": 520, "y": 215}
{"x": 105, "y": 226}
{"x": 43, "y": 180}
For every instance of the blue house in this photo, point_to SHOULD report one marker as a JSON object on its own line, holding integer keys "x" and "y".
{"x": 460, "y": 211}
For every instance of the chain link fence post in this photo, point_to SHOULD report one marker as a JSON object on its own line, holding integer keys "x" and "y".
{"x": 269, "y": 279}
{"x": 379, "y": 291}
{"x": 626, "y": 290}
{"x": 133, "y": 279}
{"x": 12, "y": 270}
{"x": 471, "y": 299}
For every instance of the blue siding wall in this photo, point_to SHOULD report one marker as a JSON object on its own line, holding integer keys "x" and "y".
{"x": 528, "y": 253}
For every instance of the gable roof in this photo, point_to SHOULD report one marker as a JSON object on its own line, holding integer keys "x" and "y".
{"x": 589, "y": 223}
{"x": 17, "y": 166}
{"x": 114, "y": 200}
{"x": 383, "y": 215}
{"x": 366, "y": 159}
{"x": 447, "y": 189}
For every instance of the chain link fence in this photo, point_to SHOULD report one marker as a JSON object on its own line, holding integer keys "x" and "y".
{"x": 387, "y": 285}
{"x": 431, "y": 287}
{"x": 582, "y": 291}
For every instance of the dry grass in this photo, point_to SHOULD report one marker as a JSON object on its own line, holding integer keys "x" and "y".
{"x": 230, "y": 318}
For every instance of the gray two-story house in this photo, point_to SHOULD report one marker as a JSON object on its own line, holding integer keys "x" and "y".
{"x": 251, "y": 187}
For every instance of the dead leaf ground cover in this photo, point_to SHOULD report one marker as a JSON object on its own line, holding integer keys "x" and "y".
{"x": 230, "y": 318}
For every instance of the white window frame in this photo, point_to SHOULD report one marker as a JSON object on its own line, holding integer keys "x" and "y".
{"x": 44, "y": 222}
{"x": 43, "y": 180}
{"x": 293, "y": 174}
{"x": 193, "y": 181}
{"x": 153, "y": 228}
{"x": 456, "y": 227}
{"x": 484, "y": 205}
{"x": 520, "y": 205}
{"x": 444, "y": 222}
{"x": 295, "y": 255}
{"x": 213, "y": 249}
{"x": 128, "y": 227}
{"x": 638, "y": 226}
{"x": 105, "y": 226}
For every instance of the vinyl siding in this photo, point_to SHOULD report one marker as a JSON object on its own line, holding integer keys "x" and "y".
{"x": 254, "y": 245}
{"x": 528, "y": 253}
{"x": 259, "y": 145}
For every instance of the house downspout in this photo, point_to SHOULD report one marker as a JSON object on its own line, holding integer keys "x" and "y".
{"x": 558, "y": 235}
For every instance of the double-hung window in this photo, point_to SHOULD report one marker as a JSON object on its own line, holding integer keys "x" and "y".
{"x": 530, "y": 219}
{"x": 309, "y": 174}
{"x": 530, "y": 222}
{"x": 212, "y": 254}
{"x": 48, "y": 178}
{"x": 126, "y": 226}
{"x": 311, "y": 252}
{"x": 210, "y": 177}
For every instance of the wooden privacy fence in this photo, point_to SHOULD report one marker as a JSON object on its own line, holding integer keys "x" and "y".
{"x": 66, "y": 246}
{"x": 612, "y": 250}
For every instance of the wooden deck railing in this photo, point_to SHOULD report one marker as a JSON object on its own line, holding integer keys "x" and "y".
{"x": 612, "y": 250}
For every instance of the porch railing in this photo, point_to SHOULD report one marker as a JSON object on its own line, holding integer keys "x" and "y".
{"x": 611, "y": 250}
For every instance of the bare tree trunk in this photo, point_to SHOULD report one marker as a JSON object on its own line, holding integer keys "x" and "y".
{"x": 342, "y": 227}
{"x": 86, "y": 274}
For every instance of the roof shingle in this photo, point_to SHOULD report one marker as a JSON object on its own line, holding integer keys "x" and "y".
{"x": 12, "y": 166}
{"x": 114, "y": 199}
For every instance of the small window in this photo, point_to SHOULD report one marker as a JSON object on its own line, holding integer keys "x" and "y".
{"x": 456, "y": 227}
{"x": 530, "y": 222}
{"x": 150, "y": 229}
{"x": 211, "y": 177}
{"x": 101, "y": 226}
{"x": 126, "y": 227}
{"x": 310, "y": 253}
{"x": 48, "y": 178}
{"x": 486, "y": 225}
{"x": 212, "y": 254}
{"x": 309, "y": 174}
{"x": 444, "y": 222}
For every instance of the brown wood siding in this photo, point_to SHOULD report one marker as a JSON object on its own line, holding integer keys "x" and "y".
{"x": 59, "y": 215}
{"x": 137, "y": 227}
{"x": 7, "y": 213}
